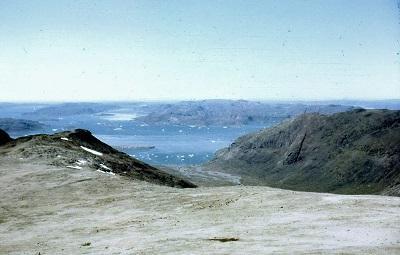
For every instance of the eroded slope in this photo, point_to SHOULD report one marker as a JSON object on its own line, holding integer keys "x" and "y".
{"x": 354, "y": 152}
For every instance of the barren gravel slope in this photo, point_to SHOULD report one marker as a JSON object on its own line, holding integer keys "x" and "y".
{"x": 61, "y": 210}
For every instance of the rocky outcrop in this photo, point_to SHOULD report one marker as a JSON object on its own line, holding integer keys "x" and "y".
{"x": 353, "y": 152}
{"x": 80, "y": 149}
{"x": 4, "y": 137}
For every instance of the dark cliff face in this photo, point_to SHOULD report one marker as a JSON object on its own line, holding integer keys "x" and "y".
{"x": 4, "y": 137}
{"x": 353, "y": 152}
{"x": 78, "y": 149}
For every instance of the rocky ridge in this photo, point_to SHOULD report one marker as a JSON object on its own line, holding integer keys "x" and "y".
{"x": 355, "y": 152}
{"x": 80, "y": 149}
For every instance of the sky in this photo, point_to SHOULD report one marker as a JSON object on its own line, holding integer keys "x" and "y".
{"x": 189, "y": 49}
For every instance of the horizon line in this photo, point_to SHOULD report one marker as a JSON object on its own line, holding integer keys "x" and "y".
{"x": 195, "y": 100}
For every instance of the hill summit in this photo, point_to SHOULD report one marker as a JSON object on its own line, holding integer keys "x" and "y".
{"x": 80, "y": 149}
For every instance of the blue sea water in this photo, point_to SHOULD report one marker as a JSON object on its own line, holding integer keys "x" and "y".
{"x": 173, "y": 145}
{"x": 154, "y": 144}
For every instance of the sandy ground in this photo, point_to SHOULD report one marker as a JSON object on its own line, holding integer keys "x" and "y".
{"x": 80, "y": 211}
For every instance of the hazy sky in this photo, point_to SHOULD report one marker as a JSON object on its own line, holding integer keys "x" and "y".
{"x": 132, "y": 50}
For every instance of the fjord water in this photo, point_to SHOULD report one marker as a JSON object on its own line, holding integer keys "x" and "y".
{"x": 154, "y": 144}
{"x": 172, "y": 144}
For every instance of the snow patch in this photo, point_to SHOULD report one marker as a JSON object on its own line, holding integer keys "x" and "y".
{"x": 74, "y": 167}
{"x": 114, "y": 116}
{"x": 81, "y": 162}
{"x": 104, "y": 172}
{"x": 92, "y": 151}
{"x": 105, "y": 167}
{"x": 64, "y": 139}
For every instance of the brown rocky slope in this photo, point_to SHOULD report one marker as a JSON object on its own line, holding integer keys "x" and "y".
{"x": 355, "y": 152}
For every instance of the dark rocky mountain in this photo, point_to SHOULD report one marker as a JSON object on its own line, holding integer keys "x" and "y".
{"x": 80, "y": 149}
{"x": 355, "y": 152}
{"x": 18, "y": 125}
{"x": 232, "y": 112}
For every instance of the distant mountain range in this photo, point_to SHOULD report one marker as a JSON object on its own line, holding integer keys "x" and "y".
{"x": 17, "y": 125}
{"x": 69, "y": 109}
{"x": 232, "y": 112}
{"x": 354, "y": 152}
{"x": 203, "y": 112}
